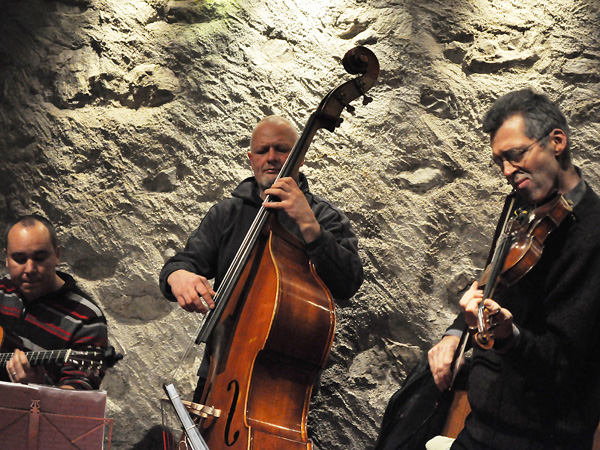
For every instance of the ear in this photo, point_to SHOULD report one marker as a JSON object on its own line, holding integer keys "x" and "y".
{"x": 249, "y": 154}
{"x": 58, "y": 252}
{"x": 559, "y": 138}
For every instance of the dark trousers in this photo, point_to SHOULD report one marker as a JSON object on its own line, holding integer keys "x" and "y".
{"x": 465, "y": 441}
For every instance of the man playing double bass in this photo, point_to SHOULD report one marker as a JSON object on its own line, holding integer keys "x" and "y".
{"x": 538, "y": 387}
{"x": 326, "y": 232}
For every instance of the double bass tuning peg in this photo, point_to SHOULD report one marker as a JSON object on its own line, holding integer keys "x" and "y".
{"x": 366, "y": 101}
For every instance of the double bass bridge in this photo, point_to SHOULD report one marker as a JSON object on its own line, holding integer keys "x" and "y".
{"x": 201, "y": 411}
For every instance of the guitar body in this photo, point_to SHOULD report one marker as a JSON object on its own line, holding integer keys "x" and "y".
{"x": 8, "y": 344}
{"x": 458, "y": 412}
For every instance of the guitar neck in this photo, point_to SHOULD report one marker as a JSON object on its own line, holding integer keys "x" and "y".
{"x": 39, "y": 358}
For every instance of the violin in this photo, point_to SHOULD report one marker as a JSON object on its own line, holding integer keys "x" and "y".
{"x": 517, "y": 247}
{"x": 518, "y": 250}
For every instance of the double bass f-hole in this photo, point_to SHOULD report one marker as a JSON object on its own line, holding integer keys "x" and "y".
{"x": 236, "y": 392}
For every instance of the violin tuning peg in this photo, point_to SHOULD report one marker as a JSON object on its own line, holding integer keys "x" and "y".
{"x": 367, "y": 99}
{"x": 350, "y": 109}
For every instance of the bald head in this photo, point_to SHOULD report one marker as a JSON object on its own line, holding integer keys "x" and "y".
{"x": 281, "y": 124}
{"x": 272, "y": 140}
{"x": 32, "y": 257}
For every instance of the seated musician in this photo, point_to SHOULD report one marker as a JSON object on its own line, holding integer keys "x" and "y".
{"x": 325, "y": 230}
{"x": 44, "y": 310}
{"x": 538, "y": 387}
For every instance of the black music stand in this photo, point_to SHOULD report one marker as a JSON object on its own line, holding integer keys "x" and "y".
{"x": 34, "y": 417}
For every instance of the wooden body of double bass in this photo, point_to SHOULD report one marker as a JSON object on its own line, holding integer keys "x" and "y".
{"x": 272, "y": 341}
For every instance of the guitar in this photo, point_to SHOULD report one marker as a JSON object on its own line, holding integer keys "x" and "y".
{"x": 92, "y": 358}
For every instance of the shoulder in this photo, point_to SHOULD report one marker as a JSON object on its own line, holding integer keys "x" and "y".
{"x": 9, "y": 297}
{"x": 221, "y": 214}
{"x": 579, "y": 240}
{"x": 587, "y": 211}
{"x": 7, "y": 286}
{"x": 76, "y": 303}
{"x": 246, "y": 193}
{"x": 323, "y": 207}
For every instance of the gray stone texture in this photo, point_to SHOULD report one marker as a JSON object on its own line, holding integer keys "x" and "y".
{"x": 123, "y": 121}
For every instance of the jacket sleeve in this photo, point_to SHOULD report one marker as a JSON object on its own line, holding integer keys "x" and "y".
{"x": 92, "y": 333}
{"x": 567, "y": 313}
{"x": 199, "y": 256}
{"x": 335, "y": 252}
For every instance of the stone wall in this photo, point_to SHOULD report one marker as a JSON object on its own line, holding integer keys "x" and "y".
{"x": 123, "y": 121}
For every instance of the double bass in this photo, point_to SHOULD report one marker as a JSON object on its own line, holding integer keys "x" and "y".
{"x": 272, "y": 328}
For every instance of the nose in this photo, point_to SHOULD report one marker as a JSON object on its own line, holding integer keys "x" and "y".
{"x": 272, "y": 154}
{"x": 508, "y": 169}
{"x": 30, "y": 266}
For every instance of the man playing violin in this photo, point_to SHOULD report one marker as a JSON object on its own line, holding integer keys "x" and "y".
{"x": 326, "y": 232}
{"x": 538, "y": 387}
{"x": 44, "y": 309}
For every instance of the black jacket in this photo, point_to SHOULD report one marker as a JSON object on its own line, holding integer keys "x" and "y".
{"x": 212, "y": 247}
{"x": 545, "y": 392}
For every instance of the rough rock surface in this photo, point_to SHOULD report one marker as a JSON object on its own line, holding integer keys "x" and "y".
{"x": 124, "y": 120}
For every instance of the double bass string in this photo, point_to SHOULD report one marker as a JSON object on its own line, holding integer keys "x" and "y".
{"x": 239, "y": 262}
{"x": 176, "y": 372}
{"x": 207, "y": 323}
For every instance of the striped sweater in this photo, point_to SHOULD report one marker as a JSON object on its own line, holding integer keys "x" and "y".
{"x": 64, "y": 319}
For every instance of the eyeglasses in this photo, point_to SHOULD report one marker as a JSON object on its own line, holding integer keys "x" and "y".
{"x": 515, "y": 156}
